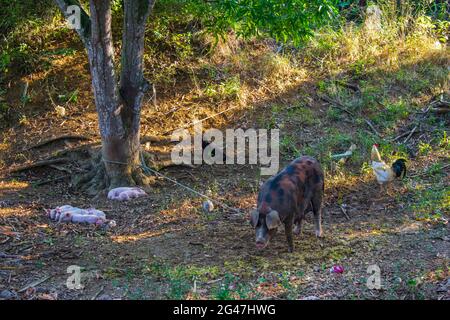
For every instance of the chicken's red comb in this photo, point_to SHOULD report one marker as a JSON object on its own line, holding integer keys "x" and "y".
{"x": 376, "y": 145}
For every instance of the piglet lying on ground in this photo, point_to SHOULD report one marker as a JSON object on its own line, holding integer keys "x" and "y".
{"x": 125, "y": 193}
{"x": 68, "y": 213}
{"x": 286, "y": 197}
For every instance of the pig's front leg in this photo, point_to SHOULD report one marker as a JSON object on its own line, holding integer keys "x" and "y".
{"x": 298, "y": 225}
{"x": 298, "y": 220}
{"x": 288, "y": 229}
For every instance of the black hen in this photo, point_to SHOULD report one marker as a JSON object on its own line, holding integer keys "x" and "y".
{"x": 399, "y": 168}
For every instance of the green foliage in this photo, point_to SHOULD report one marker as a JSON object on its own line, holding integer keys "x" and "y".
{"x": 392, "y": 113}
{"x": 286, "y": 21}
{"x": 231, "y": 288}
{"x": 229, "y": 89}
{"x": 14, "y": 12}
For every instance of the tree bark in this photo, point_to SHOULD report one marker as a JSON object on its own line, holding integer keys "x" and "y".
{"x": 118, "y": 107}
{"x": 118, "y": 153}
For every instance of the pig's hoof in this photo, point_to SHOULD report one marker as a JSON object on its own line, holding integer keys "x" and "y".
{"x": 319, "y": 234}
{"x": 290, "y": 249}
{"x": 297, "y": 230}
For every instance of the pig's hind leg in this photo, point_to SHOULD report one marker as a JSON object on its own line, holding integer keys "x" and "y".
{"x": 316, "y": 202}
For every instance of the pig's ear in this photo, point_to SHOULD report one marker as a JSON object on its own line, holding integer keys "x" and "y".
{"x": 273, "y": 220}
{"x": 254, "y": 218}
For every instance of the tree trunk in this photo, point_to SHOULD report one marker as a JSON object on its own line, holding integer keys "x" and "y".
{"x": 120, "y": 149}
{"x": 118, "y": 108}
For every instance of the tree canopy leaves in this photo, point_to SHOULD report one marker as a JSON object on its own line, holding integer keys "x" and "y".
{"x": 285, "y": 20}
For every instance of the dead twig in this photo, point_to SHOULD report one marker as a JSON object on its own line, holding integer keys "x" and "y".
{"x": 404, "y": 135}
{"x": 344, "y": 212}
{"x": 196, "y": 243}
{"x": 372, "y": 127}
{"x": 440, "y": 110}
{"x": 64, "y": 169}
{"x": 336, "y": 104}
{"x": 97, "y": 293}
{"x": 10, "y": 256}
{"x": 40, "y": 183}
{"x": 34, "y": 283}
{"x": 410, "y": 134}
{"x": 347, "y": 85}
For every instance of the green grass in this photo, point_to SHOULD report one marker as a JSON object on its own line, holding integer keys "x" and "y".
{"x": 430, "y": 198}
{"x": 226, "y": 90}
{"x": 180, "y": 279}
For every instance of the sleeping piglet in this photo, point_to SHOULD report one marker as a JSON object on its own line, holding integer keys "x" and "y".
{"x": 69, "y": 213}
{"x": 125, "y": 193}
{"x": 286, "y": 197}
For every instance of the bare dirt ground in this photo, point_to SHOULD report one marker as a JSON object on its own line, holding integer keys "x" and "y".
{"x": 165, "y": 246}
{"x": 168, "y": 231}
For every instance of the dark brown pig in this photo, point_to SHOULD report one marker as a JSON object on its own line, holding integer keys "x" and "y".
{"x": 286, "y": 197}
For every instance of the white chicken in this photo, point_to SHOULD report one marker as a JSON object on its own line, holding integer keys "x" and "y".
{"x": 383, "y": 172}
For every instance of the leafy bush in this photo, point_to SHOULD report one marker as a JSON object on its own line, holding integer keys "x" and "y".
{"x": 285, "y": 21}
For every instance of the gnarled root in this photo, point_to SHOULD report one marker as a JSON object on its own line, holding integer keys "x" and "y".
{"x": 96, "y": 181}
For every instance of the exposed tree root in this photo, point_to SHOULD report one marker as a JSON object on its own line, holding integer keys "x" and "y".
{"x": 63, "y": 137}
{"x": 36, "y": 164}
{"x": 97, "y": 181}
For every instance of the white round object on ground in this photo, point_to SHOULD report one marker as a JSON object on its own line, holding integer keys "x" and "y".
{"x": 208, "y": 206}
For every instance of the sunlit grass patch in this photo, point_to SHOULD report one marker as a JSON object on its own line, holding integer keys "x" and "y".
{"x": 430, "y": 202}
{"x": 228, "y": 89}
{"x": 180, "y": 279}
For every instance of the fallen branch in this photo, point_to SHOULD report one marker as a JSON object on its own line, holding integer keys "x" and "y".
{"x": 34, "y": 283}
{"x": 63, "y": 137}
{"x": 41, "y": 163}
{"x": 59, "y": 168}
{"x": 10, "y": 256}
{"x": 336, "y": 104}
{"x": 404, "y": 135}
{"x": 351, "y": 86}
{"x": 97, "y": 293}
{"x": 344, "y": 212}
{"x": 196, "y": 243}
{"x": 410, "y": 134}
{"x": 40, "y": 183}
{"x": 440, "y": 110}
{"x": 372, "y": 127}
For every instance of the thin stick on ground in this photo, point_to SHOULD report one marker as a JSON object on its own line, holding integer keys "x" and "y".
{"x": 97, "y": 293}
{"x": 40, "y": 183}
{"x": 402, "y": 135}
{"x": 34, "y": 283}
{"x": 344, "y": 212}
{"x": 410, "y": 134}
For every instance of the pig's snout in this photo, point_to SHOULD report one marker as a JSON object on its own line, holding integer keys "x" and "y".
{"x": 261, "y": 244}
{"x": 262, "y": 238}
